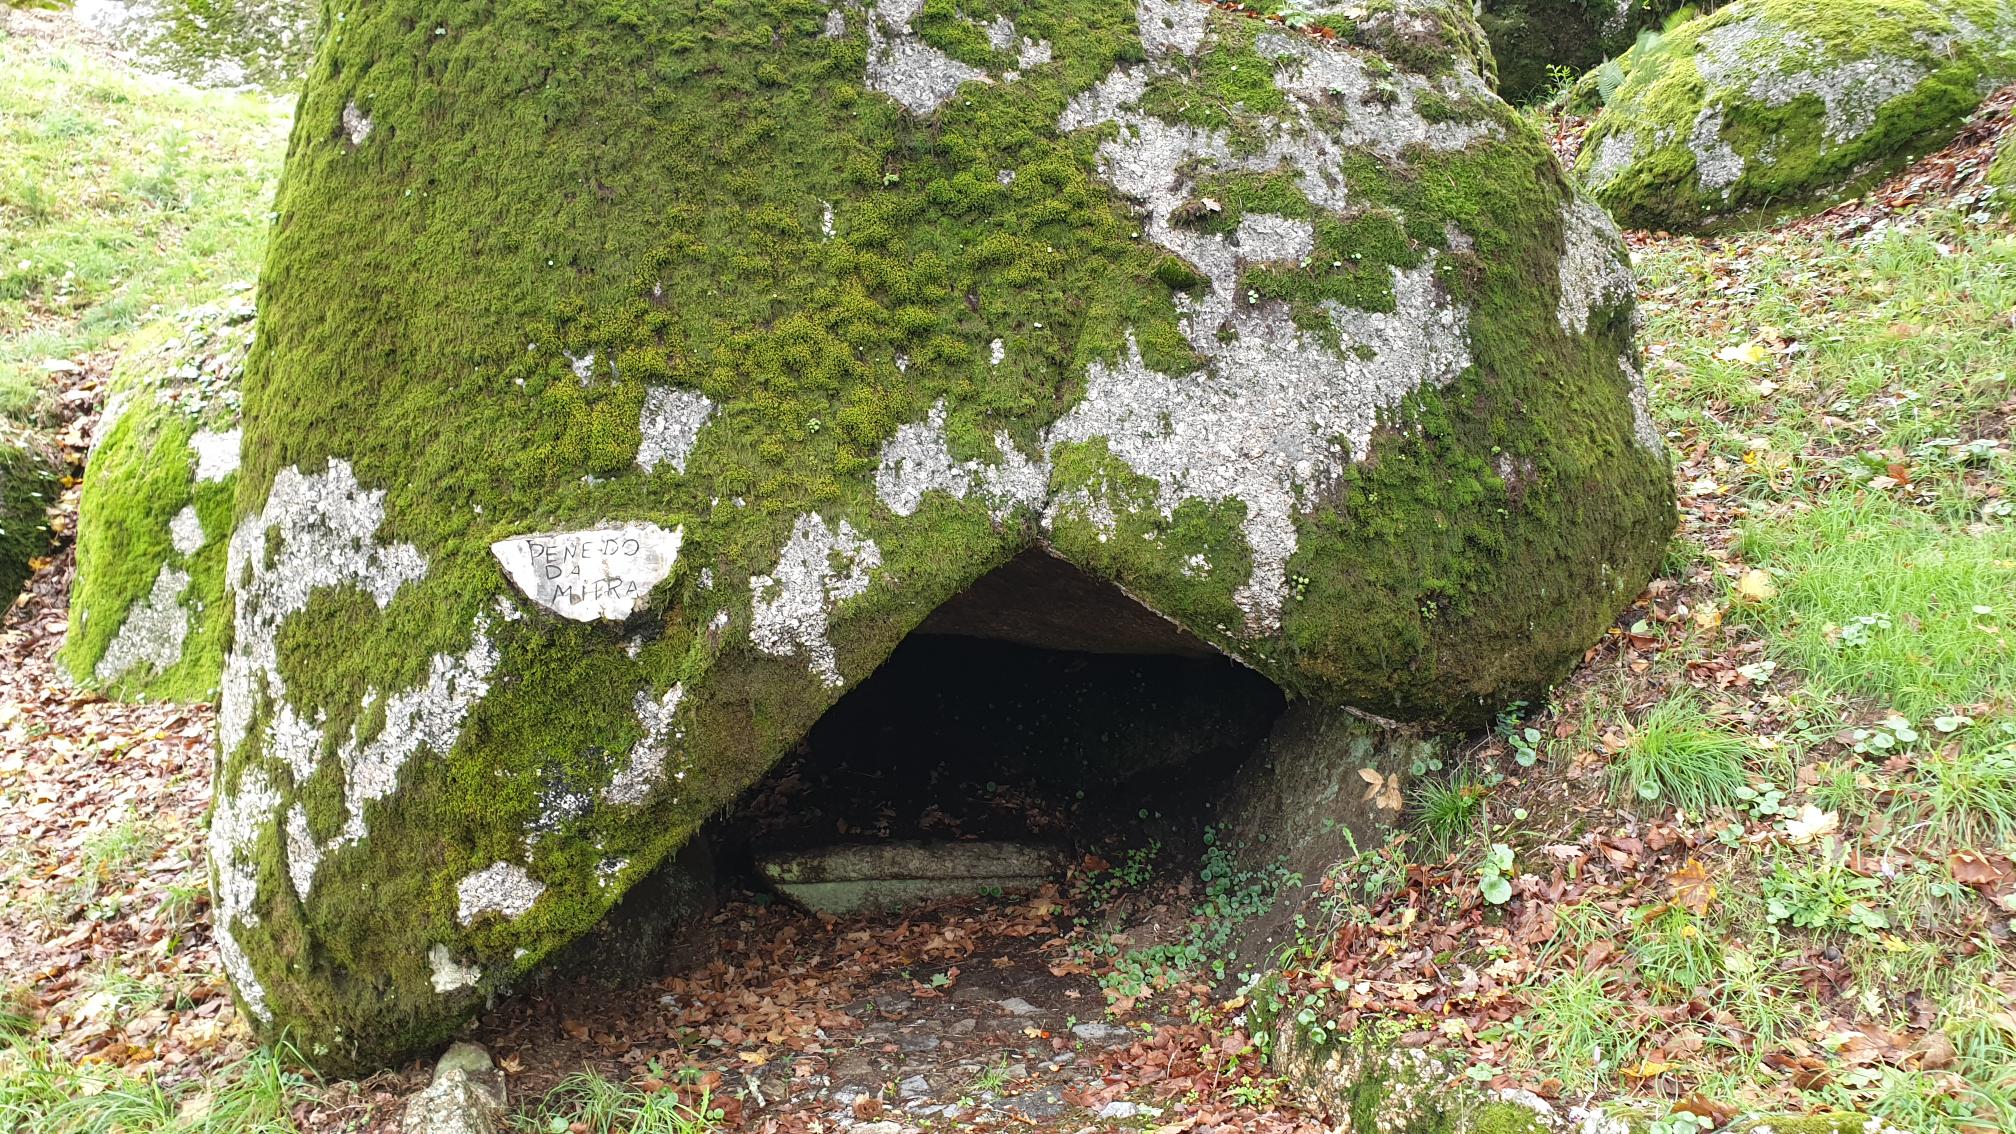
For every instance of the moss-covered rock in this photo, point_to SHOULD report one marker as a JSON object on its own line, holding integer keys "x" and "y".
{"x": 147, "y": 611}
{"x": 746, "y": 334}
{"x": 2002, "y": 171}
{"x": 1770, "y": 105}
{"x": 1531, "y": 39}
{"x": 27, "y": 485}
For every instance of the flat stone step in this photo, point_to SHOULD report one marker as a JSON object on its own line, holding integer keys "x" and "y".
{"x": 857, "y": 877}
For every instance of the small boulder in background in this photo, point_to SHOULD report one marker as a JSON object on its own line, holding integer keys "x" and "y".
{"x": 147, "y": 614}
{"x": 1771, "y": 106}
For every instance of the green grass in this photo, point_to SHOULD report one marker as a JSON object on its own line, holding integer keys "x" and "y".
{"x": 41, "y": 1092}
{"x": 1679, "y": 757}
{"x": 1582, "y": 1034}
{"x": 1446, "y": 812}
{"x": 120, "y": 195}
{"x": 586, "y": 1101}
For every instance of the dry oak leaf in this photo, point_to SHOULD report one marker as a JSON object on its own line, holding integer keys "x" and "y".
{"x": 1981, "y": 871}
{"x": 1384, "y": 790}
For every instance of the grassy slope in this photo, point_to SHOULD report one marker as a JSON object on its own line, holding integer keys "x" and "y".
{"x": 120, "y": 196}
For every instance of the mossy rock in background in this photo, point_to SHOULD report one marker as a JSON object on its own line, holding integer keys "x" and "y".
{"x": 27, "y": 486}
{"x": 1773, "y": 105}
{"x": 784, "y": 323}
{"x": 2002, "y": 172}
{"x": 147, "y": 611}
{"x": 1529, "y": 38}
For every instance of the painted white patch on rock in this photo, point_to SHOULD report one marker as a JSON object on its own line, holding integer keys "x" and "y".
{"x": 671, "y": 422}
{"x": 820, "y": 567}
{"x": 1594, "y": 270}
{"x": 501, "y": 888}
{"x": 241, "y": 814}
{"x": 448, "y": 974}
{"x": 185, "y": 531}
{"x": 602, "y": 573}
{"x": 153, "y": 632}
{"x": 918, "y": 460}
{"x": 216, "y": 453}
{"x": 645, "y": 770}
{"x": 918, "y": 76}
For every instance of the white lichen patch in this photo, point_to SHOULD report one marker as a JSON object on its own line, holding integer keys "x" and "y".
{"x": 356, "y": 124}
{"x": 1262, "y": 421}
{"x": 917, "y": 75}
{"x": 240, "y": 815}
{"x": 587, "y": 576}
{"x": 1594, "y": 269}
{"x": 216, "y": 453}
{"x": 918, "y": 460}
{"x": 154, "y": 630}
{"x": 185, "y": 531}
{"x": 1643, "y": 428}
{"x": 820, "y": 567}
{"x": 500, "y": 888}
{"x": 448, "y": 974}
{"x": 672, "y": 419}
{"x": 1171, "y": 27}
{"x": 1613, "y": 156}
{"x": 645, "y": 769}
{"x": 320, "y": 529}
{"x": 1717, "y": 165}
{"x": 1774, "y": 65}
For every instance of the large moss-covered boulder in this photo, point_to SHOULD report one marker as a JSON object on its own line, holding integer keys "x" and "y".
{"x": 27, "y": 485}
{"x": 1535, "y": 40}
{"x": 147, "y": 612}
{"x": 631, "y": 379}
{"x": 1769, "y": 105}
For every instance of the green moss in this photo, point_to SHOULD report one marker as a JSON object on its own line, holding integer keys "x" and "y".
{"x": 1792, "y": 149}
{"x": 27, "y": 487}
{"x": 649, "y": 186}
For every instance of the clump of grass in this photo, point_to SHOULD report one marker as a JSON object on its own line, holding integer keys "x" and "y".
{"x": 1679, "y": 756}
{"x": 1579, "y": 1031}
{"x": 588, "y": 1101}
{"x": 1971, "y": 794}
{"x": 1446, "y": 812}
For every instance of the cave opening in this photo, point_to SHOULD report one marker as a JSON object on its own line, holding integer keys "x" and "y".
{"x": 1040, "y": 715}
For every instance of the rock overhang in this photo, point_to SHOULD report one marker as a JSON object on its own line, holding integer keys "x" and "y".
{"x": 1323, "y": 454}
